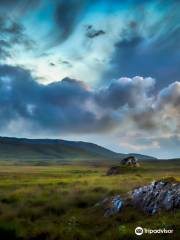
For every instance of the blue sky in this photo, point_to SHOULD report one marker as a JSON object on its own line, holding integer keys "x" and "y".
{"x": 99, "y": 71}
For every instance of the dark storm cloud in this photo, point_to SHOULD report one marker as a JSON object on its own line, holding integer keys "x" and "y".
{"x": 57, "y": 107}
{"x": 70, "y": 106}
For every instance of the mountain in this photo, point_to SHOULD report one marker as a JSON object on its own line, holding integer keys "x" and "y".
{"x": 44, "y": 150}
{"x": 141, "y": 156}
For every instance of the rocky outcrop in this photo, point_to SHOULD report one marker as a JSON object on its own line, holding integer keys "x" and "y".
{"x": 111, "y": 205}
{"x": 157, "y": 196}
{"x": 130, "y": 161}
{"x": 126, "y": 162}
{"x": 161, "y": 195}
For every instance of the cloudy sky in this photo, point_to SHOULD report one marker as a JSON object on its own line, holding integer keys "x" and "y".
{"x": 104, "y": 71}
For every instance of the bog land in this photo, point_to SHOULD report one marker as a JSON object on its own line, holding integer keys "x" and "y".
{"x": 57, "y": 202}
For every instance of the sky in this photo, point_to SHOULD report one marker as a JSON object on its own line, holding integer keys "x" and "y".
{"x": 102, "y": 71}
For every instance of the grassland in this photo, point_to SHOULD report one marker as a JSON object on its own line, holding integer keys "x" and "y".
{"x": 58, "y": 202}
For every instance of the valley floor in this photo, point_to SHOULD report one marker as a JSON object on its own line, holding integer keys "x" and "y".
{"x": 58, "y": 202}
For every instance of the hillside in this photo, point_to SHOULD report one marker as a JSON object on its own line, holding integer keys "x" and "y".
{"x": 29, "y": 150}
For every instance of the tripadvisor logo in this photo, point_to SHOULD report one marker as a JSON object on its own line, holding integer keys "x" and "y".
{"x": 140, "y": 231}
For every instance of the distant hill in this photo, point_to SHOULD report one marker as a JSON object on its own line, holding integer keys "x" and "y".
{"x": 141, "y": 156}
{"x": 45, "y": 150}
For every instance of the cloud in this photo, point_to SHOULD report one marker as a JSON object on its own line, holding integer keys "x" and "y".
{"x": 67, "y": 15}
{"x": 138, "y": 147}
{"x": 21, "y": 6}
{"x": 71, "y": 106}
{"x": 163, "y": 113}
{"x": 126, "y": 111}
{"x": 147, "y": 44}
{"x": 4, "y": 49}
{"x": 92, "y": 33}
{"x": 130, "y": 92}
{"x": 56, "y": 108}
{"x": 170, "y": 97}
{"x": 12, "y": 34}
{"x": 65, "y": 63}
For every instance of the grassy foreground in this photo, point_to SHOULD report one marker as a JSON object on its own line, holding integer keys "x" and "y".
{"x": 57, "y": 202}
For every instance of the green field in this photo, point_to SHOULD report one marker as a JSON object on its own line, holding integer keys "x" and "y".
{"x": 58, "y": 202}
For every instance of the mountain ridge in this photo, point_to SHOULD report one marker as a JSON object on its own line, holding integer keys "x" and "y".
{"x": 25, "y": 149}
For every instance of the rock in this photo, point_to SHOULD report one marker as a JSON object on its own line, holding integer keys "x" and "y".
{"x": 111, "y": 205}
{"x": 157, "y": 196}
{"x": 126, "y": 162}
{"x": 130, "y": 161}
